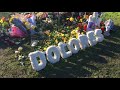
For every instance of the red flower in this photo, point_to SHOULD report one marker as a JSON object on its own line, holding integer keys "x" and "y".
{"x": 79, "y": 17}
{"x": 103, "y": 28}
{"x": 85, "y": 27}
{"x": 80, "y": 25}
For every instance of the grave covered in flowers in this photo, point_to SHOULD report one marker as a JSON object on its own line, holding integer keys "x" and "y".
{"x": 50, "y": 32}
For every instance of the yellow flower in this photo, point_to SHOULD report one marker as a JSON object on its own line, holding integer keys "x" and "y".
{"x": 70, "y": 38}
{"x": 84, "y": 16}
{"x": 67, "y": 18}
{"x": 10, "y": 20}
{"x": 62, "y": 35}
{"x": 65, "y": 39}
{"x": 45, "y": 49}
{"x": 77, "y": 28}
{"x": 27, "y": 24}
{"x": 56, "y": 41}
{"x": 72, "y": 32}
{"x": 23, "y": 20}
{"x": 76, "y": 35}
{"x": 1, "y": 21}
{"x": 71, "y": 19}
{"x": 81, "y": 20}
{"x": 82, "y": 33}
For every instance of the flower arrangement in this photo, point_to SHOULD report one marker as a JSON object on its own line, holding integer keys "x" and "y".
{"x": 19, "y": 55}
{"x": 52, "y": 27}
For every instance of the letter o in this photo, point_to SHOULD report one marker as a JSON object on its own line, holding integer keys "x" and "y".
{"x": 63, "y": 53}
{"x": 74, "y": 42}
{"x": 53, "y": 58}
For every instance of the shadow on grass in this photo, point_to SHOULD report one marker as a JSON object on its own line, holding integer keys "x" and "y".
{"x": 78, "y": 65}
{"x": 23, "y": 43}
{"x": 75, "y": 66}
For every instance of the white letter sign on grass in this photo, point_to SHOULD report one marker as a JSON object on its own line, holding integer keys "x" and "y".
{"x": 99, "y": 35}
{"x": 91, "y": 38}
{"x": 83, "y": 41}
{"x": 53, "y": 54}
{"x": 34, "y": 62}
{"x": 63, "y": 52}
{"x": 74, "y": 45}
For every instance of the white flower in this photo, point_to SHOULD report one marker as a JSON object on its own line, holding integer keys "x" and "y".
{"x": 20, "y": 49}
{"x": 17, "y": 43}
{"x": 50, "y": 21}
{"x": 34, "y": 43}
{"x": 23, "y": 56}
{"x": 20, "y": 57}
{"x": 16, "y": 52}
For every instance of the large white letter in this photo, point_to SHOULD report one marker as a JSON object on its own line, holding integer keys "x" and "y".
{"x": 91, "y": 38}
{"x": 63, "y": 52}
{"x": 99, "y": 35}
{"x": 33, "y": 58}
{"x": 53, "y": 54}
{"x": 74, "y": 45}
{"x": 83, "y": 39}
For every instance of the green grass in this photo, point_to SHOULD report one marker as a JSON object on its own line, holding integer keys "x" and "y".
{"x": 100, "y": 61}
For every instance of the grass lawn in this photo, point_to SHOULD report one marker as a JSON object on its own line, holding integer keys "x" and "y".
{"x": 100, "y": 61}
